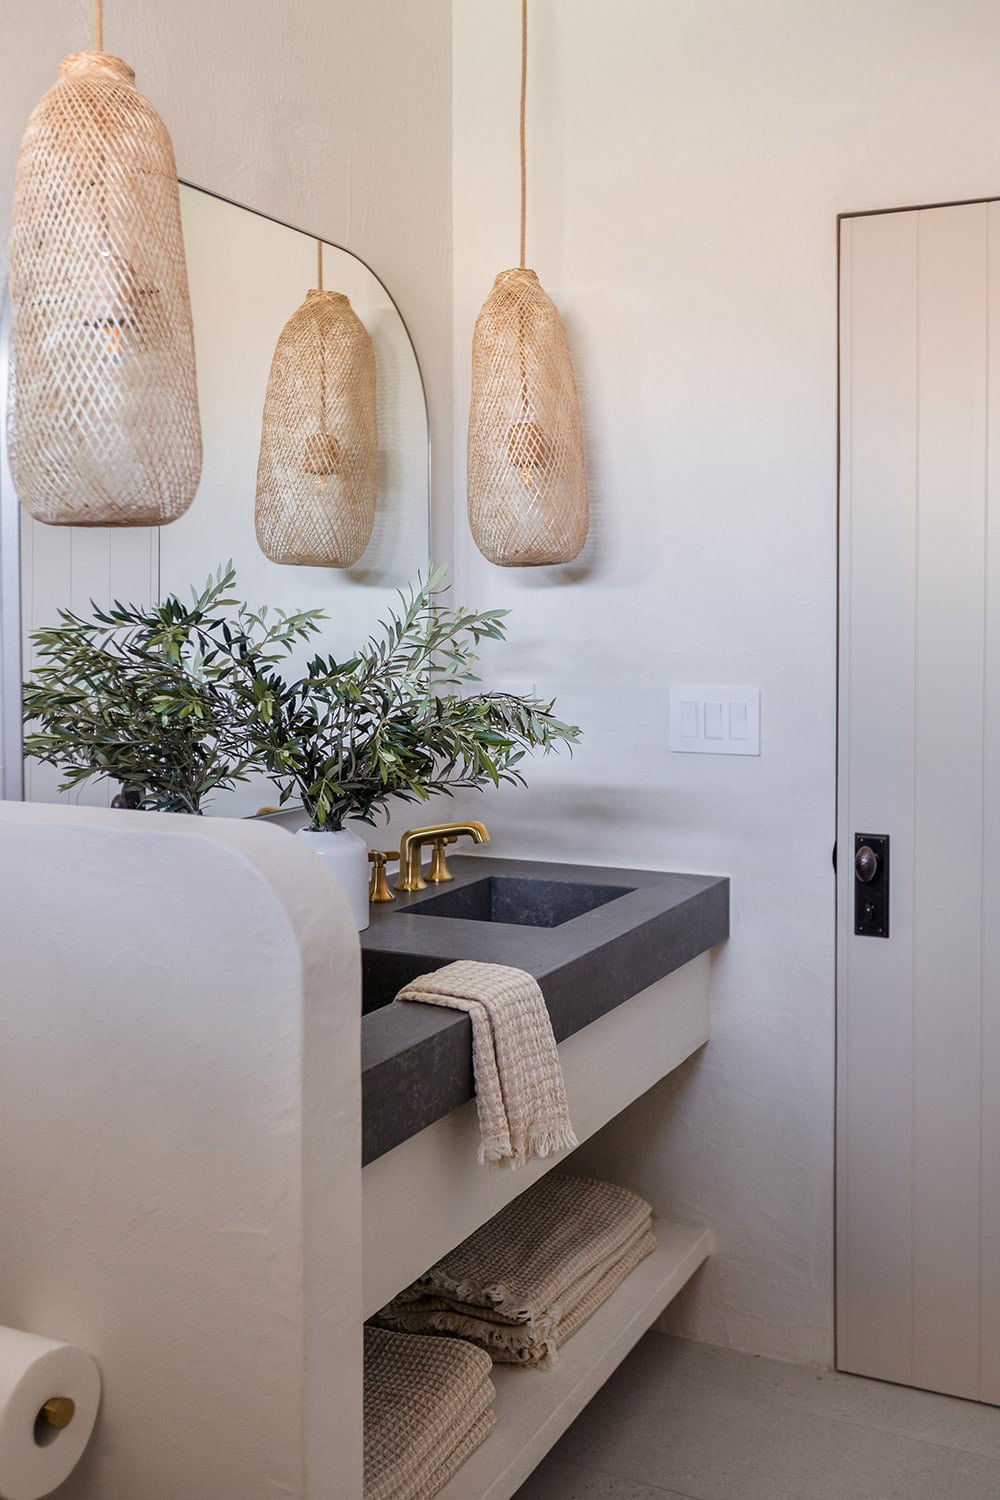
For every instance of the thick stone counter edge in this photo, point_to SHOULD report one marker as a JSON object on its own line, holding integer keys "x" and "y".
{"x": 417, "y": 1059}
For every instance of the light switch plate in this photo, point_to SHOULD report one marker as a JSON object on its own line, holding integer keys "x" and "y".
{"x": 711, "y": 720}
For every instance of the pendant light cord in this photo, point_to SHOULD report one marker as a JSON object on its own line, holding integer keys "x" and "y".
{"x": 322, "y": 360}
{"x": 524, "y": 95}
{"x": 99, "y": 25}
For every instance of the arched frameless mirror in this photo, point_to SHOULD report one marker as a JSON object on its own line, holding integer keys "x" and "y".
{"x": 248, "y": 273}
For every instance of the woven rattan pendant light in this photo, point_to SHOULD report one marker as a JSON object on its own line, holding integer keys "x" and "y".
{"x": 317, "y": 475}
{"x": 527, "y": 483}
{"x": 103, "y": 423}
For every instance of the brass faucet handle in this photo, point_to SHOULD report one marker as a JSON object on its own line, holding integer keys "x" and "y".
{"x": 439, "y": 870}
{"x": 378, "y": 888}
{"x": 411, "y": 876}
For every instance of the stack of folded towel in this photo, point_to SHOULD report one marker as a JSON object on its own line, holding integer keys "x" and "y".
{"x": 428, "y": 1405}
{"x": 524, "y": 1282}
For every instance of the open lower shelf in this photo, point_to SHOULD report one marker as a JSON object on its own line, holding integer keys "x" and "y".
{"x": 534, "y": 1407}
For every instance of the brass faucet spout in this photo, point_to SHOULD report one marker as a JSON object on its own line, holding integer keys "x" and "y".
{"x": 410, "y": 873}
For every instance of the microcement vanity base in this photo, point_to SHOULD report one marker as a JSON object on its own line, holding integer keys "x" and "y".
{"x": 535, "y": 1407}
{"x": 623, "y": 958}
{"x": 428, "y": 1193}
{"x": 241, "y": 1146}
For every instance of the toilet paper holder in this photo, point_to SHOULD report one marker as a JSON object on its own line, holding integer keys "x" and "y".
{"x": 58, "y": 1411}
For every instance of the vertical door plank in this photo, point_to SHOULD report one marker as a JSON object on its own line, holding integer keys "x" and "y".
{"x": 68, "y": 567}
{"x": 990, "y": 1134}
{"x": 878, "y": 467}
{"x": 948, "y": 805}
{"x": 90, "y": 578}
{"x": 135, "y": 565}
{"x": 90, "y": 567}
{"x": 46, "y": 581}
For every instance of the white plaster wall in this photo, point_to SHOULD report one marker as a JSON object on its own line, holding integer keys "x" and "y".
{"x": 180, "y": 1143}
{"x": 687, "y": 163}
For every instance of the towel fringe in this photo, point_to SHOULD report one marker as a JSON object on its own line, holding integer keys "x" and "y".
{"x": 533, "y": 1344}
{"x": 496, "y": 1294}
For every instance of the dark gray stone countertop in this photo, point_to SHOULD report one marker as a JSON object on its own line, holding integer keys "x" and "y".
{"x": 416, "y": 1060}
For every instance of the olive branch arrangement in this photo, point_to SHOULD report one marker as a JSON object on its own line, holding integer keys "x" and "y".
{"x": 177, "y": 701}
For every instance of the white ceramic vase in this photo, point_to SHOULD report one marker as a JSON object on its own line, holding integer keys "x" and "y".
{"x": 347, "y": 856}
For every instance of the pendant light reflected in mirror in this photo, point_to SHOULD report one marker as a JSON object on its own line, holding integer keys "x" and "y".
{"x": 103, "y": 425}
{"x": 317, "y": 475}
{"x": 527, "y": 482}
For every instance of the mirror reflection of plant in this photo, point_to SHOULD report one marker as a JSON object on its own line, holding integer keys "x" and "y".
{"x": 152, "y": 697}
{"x": 387, "y": 723}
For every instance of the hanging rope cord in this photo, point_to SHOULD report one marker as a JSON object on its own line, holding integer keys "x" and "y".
{"x": 525, "y": 398}
{"x": 524, "y": 95}
{"x": 323, "y": 363}
{"x": 99, "y": 25}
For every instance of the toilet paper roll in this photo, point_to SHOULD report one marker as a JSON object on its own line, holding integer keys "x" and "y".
{"x": 35, "y": 1455}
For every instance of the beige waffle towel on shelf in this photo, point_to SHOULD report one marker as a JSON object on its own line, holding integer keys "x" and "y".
{"x": 531, "y": 1343}
{"x": 428, "y": 1405}
{"x": 520, "y": 1092}
{"x": 526, "y": 1281}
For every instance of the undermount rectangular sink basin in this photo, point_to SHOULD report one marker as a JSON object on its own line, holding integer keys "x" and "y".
{"x": 524, "y": 902}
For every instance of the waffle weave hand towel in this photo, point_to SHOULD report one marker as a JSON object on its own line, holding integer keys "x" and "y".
{"x": 536, "y": 1341}
{"x": 524, "y": 1282}
{"x": 520, "y": 1093}
{"x": 428, "y": 1405}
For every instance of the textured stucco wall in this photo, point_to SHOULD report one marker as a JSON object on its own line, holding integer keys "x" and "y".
{"x": 179, "y": 1183}
{"x": 687, "y": 163}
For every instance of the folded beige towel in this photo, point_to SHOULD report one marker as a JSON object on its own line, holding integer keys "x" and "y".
{"x": 574, "y": 1318}
{"x": 476, "y": 1435}
{"x": 428, "y": 1405}
{"x": 529, "y": 1278}
{"x": 533, "y": 1343}
{"x": 520, "y": 1091}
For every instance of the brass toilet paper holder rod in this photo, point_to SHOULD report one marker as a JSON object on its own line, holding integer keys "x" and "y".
{"x": 58, "y": 1411}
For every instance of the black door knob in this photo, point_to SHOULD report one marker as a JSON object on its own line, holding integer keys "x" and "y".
{"x": 865, "y": 863}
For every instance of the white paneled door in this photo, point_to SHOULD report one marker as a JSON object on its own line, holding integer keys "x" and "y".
{"x": 918, "y": 1160}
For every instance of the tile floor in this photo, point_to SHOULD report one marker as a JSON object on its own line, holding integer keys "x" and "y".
{"x": 694, "y": 1422}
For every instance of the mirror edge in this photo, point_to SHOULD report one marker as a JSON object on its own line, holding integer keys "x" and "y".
{"x": 211, "y": 193}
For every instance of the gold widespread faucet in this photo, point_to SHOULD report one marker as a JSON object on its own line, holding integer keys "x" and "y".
{"x": 439, "y": 834}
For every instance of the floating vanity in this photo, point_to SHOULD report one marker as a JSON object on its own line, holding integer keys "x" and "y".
{"x": 623, "y": 959}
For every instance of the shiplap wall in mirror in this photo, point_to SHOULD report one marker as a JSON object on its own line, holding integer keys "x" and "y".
{"x": 248, "y": 274}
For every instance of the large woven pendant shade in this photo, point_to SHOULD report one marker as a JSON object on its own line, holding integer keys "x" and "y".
{"x": 527, "y": 481}
{"x": 527, "y": 484}
{"x": 103, "y": 421}
{"x": 317, "y": 475}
